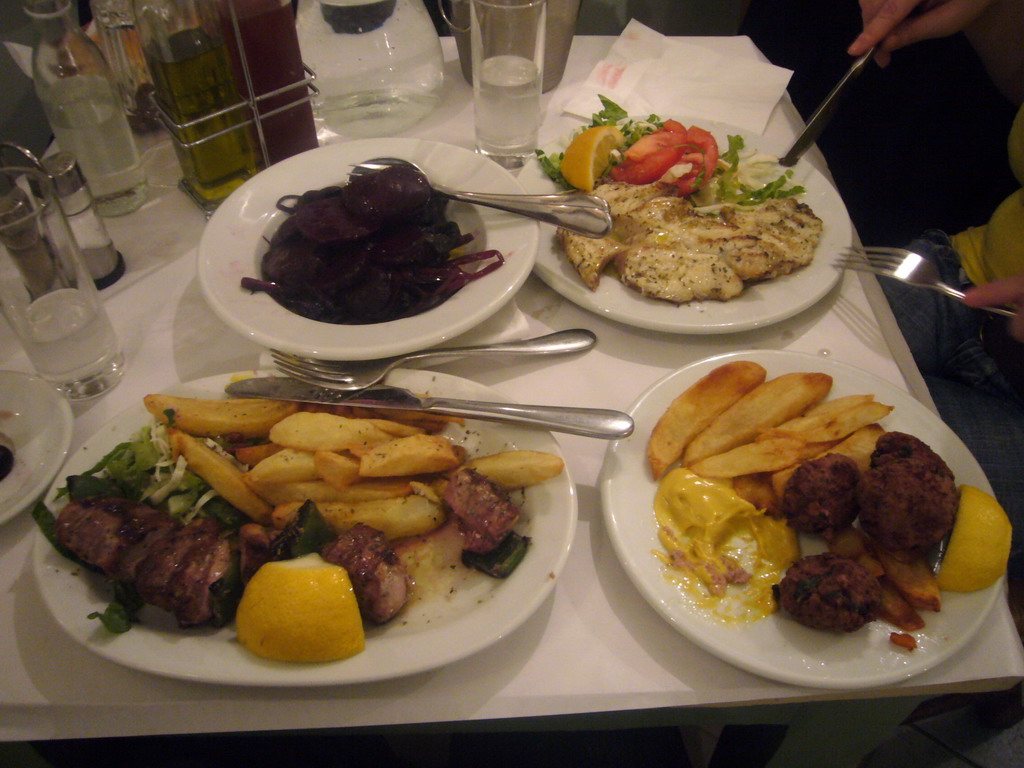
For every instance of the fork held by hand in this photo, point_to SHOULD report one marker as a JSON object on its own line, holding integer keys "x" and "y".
{"x": 910, "y": 267}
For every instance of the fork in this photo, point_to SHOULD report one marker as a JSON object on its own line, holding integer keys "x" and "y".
{"x": 910, "y": 267}
{"x": 350, "y": 375}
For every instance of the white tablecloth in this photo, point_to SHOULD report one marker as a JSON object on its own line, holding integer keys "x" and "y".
{"x": 594, "y": 646}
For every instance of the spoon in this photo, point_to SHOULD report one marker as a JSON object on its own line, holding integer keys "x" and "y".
{"x": 578, "y": 212}
{"x": 359, "y": 374}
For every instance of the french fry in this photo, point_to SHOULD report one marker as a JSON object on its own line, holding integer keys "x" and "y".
{"x": 251, "y": 455}
{"x": 767, "y": 405}
{"x": 337, "y": 469}
{"x": 518, "y": 469}
{"x": 320, "y": 491}
{"x": 695, "y": 408}
{"x": 285, "y": 466}
{"x": 414, "y": 455}
{"x": 757, "y": 489}
{"x": 911, "y": 575}
{"x": 896, "y": 610}
{"x": 396, "y": 428}
{"x": 836, "y": 405}
{"x": 396, "y": 518}
{"x": 308, "y": 431}
{"x": 248, "y": 417}
{"x": 832, "y": 427}
{"x": 428, "y": 422}
{"x": 852, "y": 544}
{"x": 227, "y": 479}
{"x": 859, "y": 446}
{"x": 750, "y": 458}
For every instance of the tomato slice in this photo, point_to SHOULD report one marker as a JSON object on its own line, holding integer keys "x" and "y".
{"x": 647, "y": 170}
{"x": 651, "y": 157}
{"x": 653, "y": 142}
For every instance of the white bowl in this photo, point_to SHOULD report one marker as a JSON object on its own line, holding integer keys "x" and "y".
{"x": 36, "y": 420}
{"x": 236, "y": 236}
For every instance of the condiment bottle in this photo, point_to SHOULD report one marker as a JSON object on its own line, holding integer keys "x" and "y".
{"x": 378, "y": 64}
{"x": 102, "y": 260}
{"x": 207, "y": 117}
{"x": 271, "y": 62}
{"x": 81, "y": 101}
{"x": 119, "y": 41}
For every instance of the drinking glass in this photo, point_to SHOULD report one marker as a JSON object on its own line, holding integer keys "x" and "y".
{"x": 47, "y": 293}
{"x": 507, "y": 42}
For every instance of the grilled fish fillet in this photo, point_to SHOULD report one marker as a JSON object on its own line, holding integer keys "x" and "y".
{"x": 591, "y": 255}
{"x": 665, "y": 249}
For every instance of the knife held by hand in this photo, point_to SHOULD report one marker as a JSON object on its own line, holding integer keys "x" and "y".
{"x": 587, "y": 422}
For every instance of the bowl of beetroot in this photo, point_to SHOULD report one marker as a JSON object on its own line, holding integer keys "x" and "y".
{"x": 304, "y": 259}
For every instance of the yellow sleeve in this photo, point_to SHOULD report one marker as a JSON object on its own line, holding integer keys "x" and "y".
{"x": 996, "y": 250}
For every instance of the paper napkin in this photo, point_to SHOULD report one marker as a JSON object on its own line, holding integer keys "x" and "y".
{"x": 646, "y": 72}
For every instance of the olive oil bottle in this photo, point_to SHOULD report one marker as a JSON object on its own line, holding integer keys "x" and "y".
{"x": 187, "y": 56}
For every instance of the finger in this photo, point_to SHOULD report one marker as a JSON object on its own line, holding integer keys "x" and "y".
{"x": 940, "y": 20}
{"x": 878, "y": 27}
{"x": 1009, "y": 291}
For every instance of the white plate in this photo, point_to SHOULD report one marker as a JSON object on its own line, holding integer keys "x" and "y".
{"x": 37, "y": 422}
{"x": 759, "y": 304}
{"x": 434, "y": 633}
{"x": 777, "y": 647}
{"x": 235, "y": 240}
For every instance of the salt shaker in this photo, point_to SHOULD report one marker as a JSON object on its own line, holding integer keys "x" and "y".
{"x": 102, "y": 260}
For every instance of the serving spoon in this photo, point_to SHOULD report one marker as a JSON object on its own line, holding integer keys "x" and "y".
{"x": 578, "y": 212}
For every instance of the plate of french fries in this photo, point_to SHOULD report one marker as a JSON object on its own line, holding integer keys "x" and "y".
{"x": 438, "y": 626}
{"x": 724, "y": 418}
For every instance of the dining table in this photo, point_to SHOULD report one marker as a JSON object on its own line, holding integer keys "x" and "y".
{"x": 595, "y": 653}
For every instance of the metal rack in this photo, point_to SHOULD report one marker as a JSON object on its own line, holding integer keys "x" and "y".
{"x": 308, "y": 92}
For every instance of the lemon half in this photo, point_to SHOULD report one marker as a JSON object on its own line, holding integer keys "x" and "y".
{"x": 300, "y": 610}
{"x": 588, "y": 156}
{"x": 980, "y": 545}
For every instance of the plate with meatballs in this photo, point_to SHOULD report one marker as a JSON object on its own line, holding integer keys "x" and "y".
{"x": 899, "y": 493}
{"x": 441, "y": 623}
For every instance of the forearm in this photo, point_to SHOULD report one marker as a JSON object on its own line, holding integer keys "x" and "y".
{"x": 998, "y": 37}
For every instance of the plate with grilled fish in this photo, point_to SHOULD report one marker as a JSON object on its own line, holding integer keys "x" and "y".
{"x": 183, "y": 630}
{"x": 696, "y": 264}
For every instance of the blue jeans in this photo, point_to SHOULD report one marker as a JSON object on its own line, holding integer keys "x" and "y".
{"x": 971, "y": 394}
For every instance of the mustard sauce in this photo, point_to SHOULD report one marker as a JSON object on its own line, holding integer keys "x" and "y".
{"x": 722, "y": 552}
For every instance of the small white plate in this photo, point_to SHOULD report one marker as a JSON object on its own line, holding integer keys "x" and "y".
{"x": 777, "y": 647}
{"x": 759, "y": 305}
{"x": 429, "y": 633}
{"x": 37, "y": 422}
{"x": 235, "y": 239}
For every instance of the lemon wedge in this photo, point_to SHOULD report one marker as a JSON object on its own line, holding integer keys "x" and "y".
{"x": 588, "y": 156}
{"x": 300, "y": 610}
{"x": 980, "y": 545}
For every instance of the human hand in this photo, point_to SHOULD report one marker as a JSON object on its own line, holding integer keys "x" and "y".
{"x": 1009, "y": 291}
{"x": 893, "y": 24}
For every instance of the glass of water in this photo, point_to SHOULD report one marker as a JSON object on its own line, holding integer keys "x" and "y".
{"x": 47, "y": 293}
{"x": 507, "y": 43}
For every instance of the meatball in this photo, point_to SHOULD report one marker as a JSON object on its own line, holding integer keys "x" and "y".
{"x": 821, "y": 496}
{"x": 908, "y": 498}
{"x": 829, "y": 592}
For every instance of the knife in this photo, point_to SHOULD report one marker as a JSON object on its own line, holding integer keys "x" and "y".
{"x": 588, "y": 422}
{"x": 825, "y": 110}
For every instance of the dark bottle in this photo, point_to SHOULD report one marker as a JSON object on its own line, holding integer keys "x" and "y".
{"x": 272, "y": 62}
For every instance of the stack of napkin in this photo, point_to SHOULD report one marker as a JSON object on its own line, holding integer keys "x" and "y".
{"x": 646, "y": 72}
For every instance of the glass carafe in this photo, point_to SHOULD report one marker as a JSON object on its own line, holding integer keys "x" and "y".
{"x": 378, "y": 64}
